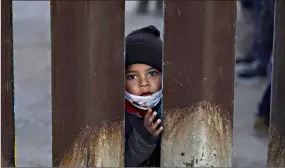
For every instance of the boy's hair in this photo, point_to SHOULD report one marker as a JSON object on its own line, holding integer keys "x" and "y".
{"x": 144, "y": 46}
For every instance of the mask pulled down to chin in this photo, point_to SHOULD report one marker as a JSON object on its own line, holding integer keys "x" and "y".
{"x": 144, "y": 102}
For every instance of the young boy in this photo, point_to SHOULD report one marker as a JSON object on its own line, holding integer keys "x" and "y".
{"x": 143, "y": 84}
{"x": 102, "y": 146}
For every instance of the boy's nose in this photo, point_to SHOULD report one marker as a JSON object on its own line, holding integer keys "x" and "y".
{"x": 144, "y": 83}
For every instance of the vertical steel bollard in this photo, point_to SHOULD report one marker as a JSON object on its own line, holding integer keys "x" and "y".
{"x": 7, "y": 87}
{"x": 276, "y": 148}
{"x": 88, "y": 82}
{"x": 199, "y": 46}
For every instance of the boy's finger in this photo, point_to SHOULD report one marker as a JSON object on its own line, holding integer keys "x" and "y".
{"x": 153, "y": 127}
{"x": 151, "y": 118}
{"x": 148, "y": 113}
{"x": 146, "y": 117}
{"x": 157, "y": 132}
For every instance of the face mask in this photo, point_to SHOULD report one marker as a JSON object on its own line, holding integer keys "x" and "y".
{"x": 144, "y": 102}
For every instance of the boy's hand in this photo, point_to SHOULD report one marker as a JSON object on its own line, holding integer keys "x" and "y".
{"x": 150, "y": 126}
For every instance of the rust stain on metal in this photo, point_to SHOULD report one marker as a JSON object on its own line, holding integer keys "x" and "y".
{"x": 202, "y": 133}
{"x": 276, "y": 148}
{"x": 101, "y": 146}
{"x": 196, "y": 136}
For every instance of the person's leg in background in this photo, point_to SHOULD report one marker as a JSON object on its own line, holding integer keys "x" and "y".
{"x": 263, "y": 116}
{"x": 263, "y": 38}
{"x": 244, "y": 32}
{"x": 262, "y": 48}
{"x": 143, "y": 6}
{"x": 248, "y": 4}
{"x": 159, "y": 5}
{"x": 261, "y": 123}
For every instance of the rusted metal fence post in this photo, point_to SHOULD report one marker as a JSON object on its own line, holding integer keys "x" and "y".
{"x": 198, "y": 83}
{"x": 87, "y": 72}
{"x": 276, "y": 148}
{"x": 7, "y": 87}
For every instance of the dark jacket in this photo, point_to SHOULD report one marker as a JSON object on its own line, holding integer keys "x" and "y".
{"x": 141, "y": 148}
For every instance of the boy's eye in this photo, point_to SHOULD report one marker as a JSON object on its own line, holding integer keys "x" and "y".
{"x": 152, "y": 73}
{"x": 131, "y": 77}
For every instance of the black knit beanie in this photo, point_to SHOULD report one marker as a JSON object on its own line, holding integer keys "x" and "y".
{"x": 144, "y": 46}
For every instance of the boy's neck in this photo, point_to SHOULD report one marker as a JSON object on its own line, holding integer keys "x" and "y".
{"x": 132, "y": 109}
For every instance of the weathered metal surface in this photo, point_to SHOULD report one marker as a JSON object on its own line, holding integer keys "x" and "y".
{"x": 198, "y": 83}
{"x": 99, "y": 146}
{"x": 7, "y": 86}
{"x": 88, "y": 81}
{"x": 276, "y": 148}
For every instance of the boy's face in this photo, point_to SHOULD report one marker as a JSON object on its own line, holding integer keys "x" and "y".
{"x": 142, "y": 80}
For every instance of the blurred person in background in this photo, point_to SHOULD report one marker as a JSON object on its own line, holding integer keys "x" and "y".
{"x": 262, "y": 120}
{"x": 244, "y": 32}
{"x": 263, "y": 18}
{"x": 262, "y": 52}
{"x": 258, "y": 59}
{"x": 143, "y": 6}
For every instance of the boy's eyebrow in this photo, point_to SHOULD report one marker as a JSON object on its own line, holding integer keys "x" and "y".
{"x": 129, "y": 71}
{"x": 132, "y": 71}
{"x": 151, "y": 69}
